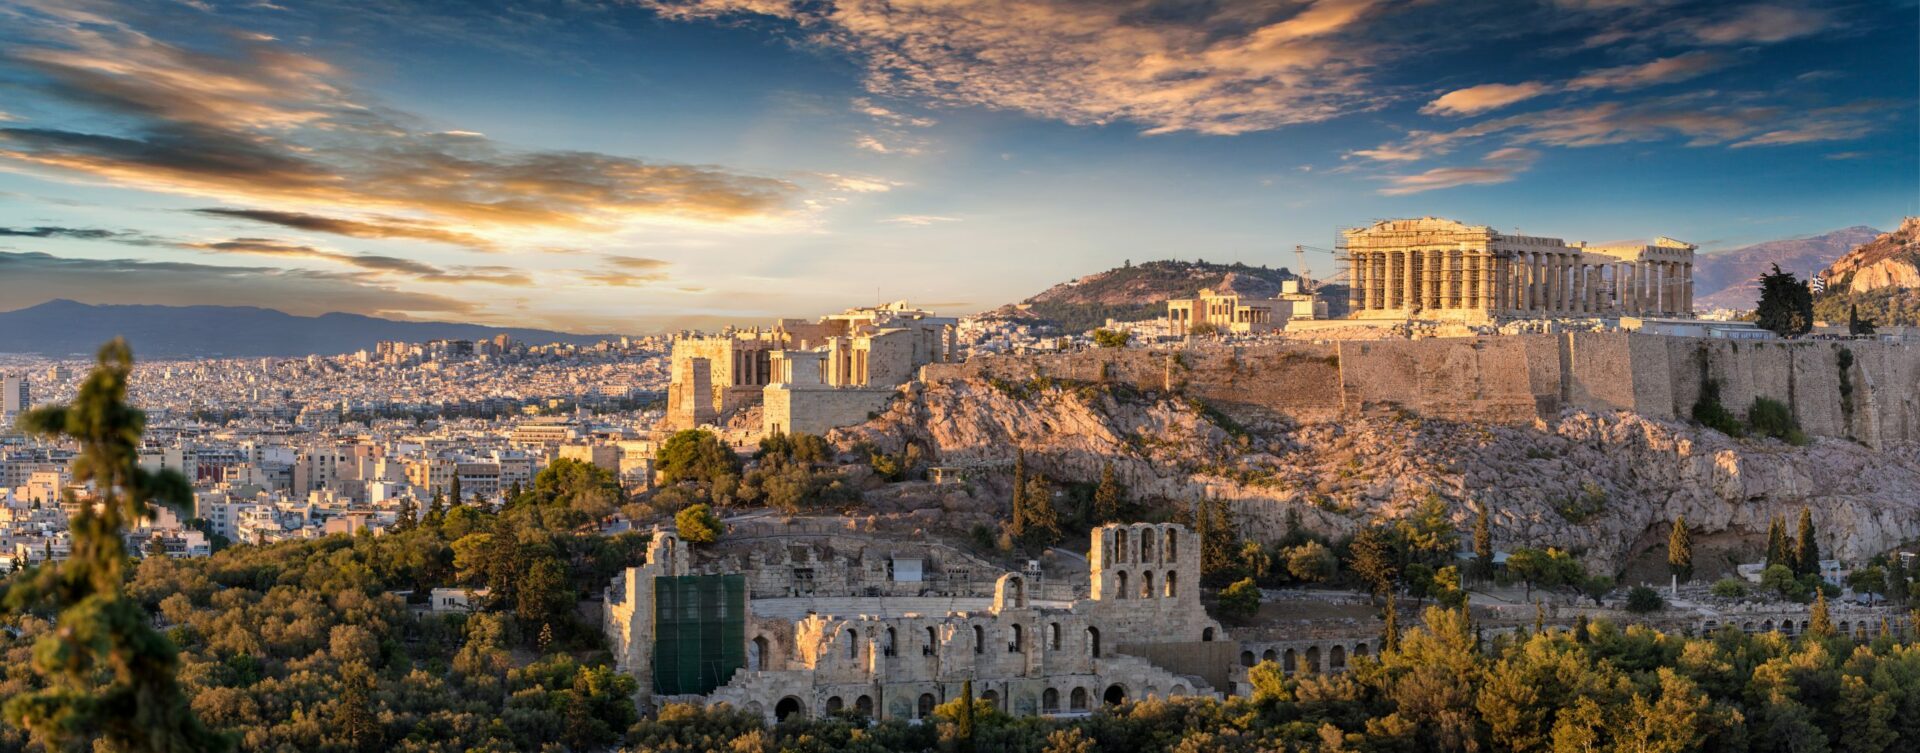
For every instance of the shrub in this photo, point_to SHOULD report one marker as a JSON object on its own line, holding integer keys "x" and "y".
{"x": 1730, "y": 588}
{"x": 1641, "y": 600}
{"x": 1311, "y": 562}
{"x": 1107, "y": 338}
{"x": 698, "y": 525}
{"x": 1242, "y": 599}
{"x": 1772, "y": 418}
{"x": 1708, "y": 410}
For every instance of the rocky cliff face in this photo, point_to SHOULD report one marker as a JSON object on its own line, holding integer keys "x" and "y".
{"x": 1596, "y": 484}
{"x": 1889, "y": 261}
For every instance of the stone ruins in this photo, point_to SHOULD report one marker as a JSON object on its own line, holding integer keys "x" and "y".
{"x": 1439, "y": 268}
{"x": 807, "y": 376}
{"x": 809, "y": 632}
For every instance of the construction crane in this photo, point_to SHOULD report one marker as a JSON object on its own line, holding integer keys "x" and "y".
{"x": 1307, "y": 283}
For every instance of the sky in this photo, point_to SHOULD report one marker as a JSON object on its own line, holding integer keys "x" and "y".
{"x": 637, "y": 166}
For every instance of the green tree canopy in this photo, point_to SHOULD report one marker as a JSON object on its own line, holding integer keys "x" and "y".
{"x": 1786, "y": 304}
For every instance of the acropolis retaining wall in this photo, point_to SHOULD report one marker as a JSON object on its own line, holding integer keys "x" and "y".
{"x": 1511, "y": 378}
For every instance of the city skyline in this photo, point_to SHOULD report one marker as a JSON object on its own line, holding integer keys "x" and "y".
{"x": 635, "y": 167}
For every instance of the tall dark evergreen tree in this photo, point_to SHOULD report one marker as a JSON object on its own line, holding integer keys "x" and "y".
{"x": 1391, "y": 641}
{"x": 436, "y": 510}
{"x": 963, "y": 727}
{"x": 1806, "y": 550}
{"x": 408, "y": 516}
{"x": 1778, "y": 552}
{"x": 1370, "y": 556}
{"x": 1821, "y": 619}
{"x": 1018, "y": 526}
{"x": 1482, "y": 543}
{"x": 1107, "y": 497}
{"x": 110, "y": 676}
{"x": 1680, "y": 550}
{"x": 453, "y": 492}
{"x": 1786, "y": 304}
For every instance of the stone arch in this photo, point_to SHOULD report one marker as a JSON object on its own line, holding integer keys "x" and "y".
{"x": 835, "y": 705}
{"x": 979, "y": 639}
{"x": 1766, "y": 627}
{"x": 1146, "y": 585}
{"x": 1246, "y": 659}
{"x": 1093, "y": 641}
{"x": 1360, "y": 649}
{"x": 1288, "y": 661}
{"x": 1120, "y": 545}
{"x": 1077, "y": 700}
{"x": 1173, "y": 589}
{"x": 1269, "y": 655}
{"x": 889, "y": 647}
{"x": 787, "y": 707}
{"x": 1120, "y": 583}
{"x": 757, "y": 710}
{"x": 1116, "y": 694}
{"x": 1053, "y": 636}
{"x": 757, "y": 653}
{"x": 1178, "y": 691}
{"x": 1010, "y": 592}
{"x": 1019, "y": 643}
{"x": 992, "y": 697}
{"x": 1049, "y": 701}
{"x": 853, "y": 643}
{"x": 1313, "y": 659}
{"x": 1206, "y": 635}
{"x": 1150, "y": 693}
{"x": 863, "y": 705}
{"x": 1173, "y": 544}
{"x": 1146, "y": 545}
{"x": 1747, "y": 626}
{"x": 1846, "y": 627}
{"x": 1337, "y": 658}
{"x": 924, "y": 708}
{"x": 933, "y": 642}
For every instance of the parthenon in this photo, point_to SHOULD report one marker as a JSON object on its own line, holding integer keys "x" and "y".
{"x": 1439, "y": 268}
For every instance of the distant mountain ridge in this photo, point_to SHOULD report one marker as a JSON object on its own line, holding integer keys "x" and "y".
{"x": 64, "y": 328}
{"x": 1139, "y": 291}
{"x": 1728, "y": 279}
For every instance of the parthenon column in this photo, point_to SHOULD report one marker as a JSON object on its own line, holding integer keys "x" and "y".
{"x": 1356, "y": 281}
{"x": 1686, "y": 294}
{"x": 1661, "y": 294}
{"x": 1409, "y": 284}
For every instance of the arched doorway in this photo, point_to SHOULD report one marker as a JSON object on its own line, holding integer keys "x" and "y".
{"x": 1205, "y": 635}
{"x": 757, "y": 653}
{"x": 1359, "y": 649}
{"x": 1269, "y": 656}
{"x": 1077, "y": 700}
{"x": 1120, "y": 579}
{"x": 835, "y": 705}
{"x": 1336, "y": 658}
{"x": 992, "y": 697}
{"x": 1287, "y": 661}
{"x": 863, "y": 706}
{"x": 1115, "y": 695}
{"x": 1093, "y": 642}
{"x": 1050, "y": 701}
{"x": 787, "y": 707}
{"x": 1313, "y": 658}
{"x": 1246, "y": 658}
{"x": 924, "y": 708}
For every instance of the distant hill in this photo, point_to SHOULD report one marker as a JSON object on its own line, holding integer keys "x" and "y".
{"x": 63, "y": 328}
{"x": 1139, "y": 291}
{"x": 1881, "y": 277}
{"x": 1726, "y": 279}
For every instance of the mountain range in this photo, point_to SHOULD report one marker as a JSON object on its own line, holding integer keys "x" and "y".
{"x": 1729, "y": 279}
{"x": 66, "y": 328}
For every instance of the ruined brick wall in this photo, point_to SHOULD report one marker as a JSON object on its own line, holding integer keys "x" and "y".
{"x": 1511, "y": 379}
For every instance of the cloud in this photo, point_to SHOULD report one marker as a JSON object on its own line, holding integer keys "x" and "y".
{"x": 636, "y": 263}
{"x": 1499, "y": 166}
{"x": 30, "y": 278}
{"x": 1478, "y": 99}
{"x": 1763, "y": 23}
{"x": 866, "y": 107}
{"x": 408, "y": 268}
{"x": 900, "y": 145}
{"x": 919, "y": 220}
{"x": 1225, "y": 68}
{"x": 377, "y": 227}
{"x": 68, "y": 233}
{"x": 279, "y": 132}
{"x": 1662, "y": 71}
{"x": 1388, "y": 154}
{"x": 1701, "y": 119}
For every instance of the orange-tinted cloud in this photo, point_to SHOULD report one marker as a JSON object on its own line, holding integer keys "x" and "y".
{"x": 375, "y": 227}
{"x": 31, "y": 278}
{"x": 1477, "y": 99}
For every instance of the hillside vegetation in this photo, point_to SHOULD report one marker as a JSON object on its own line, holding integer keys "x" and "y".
{"x": 1139, "y": 291}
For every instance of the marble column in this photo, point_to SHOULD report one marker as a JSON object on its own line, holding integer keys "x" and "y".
{"x": 1686, "y": 295}
{"x": 1409, "y": 284}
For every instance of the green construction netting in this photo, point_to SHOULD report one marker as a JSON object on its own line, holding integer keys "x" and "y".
{"x": 700, "y": 632}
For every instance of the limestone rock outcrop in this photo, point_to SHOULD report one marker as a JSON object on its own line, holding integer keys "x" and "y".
{"x": 1596, "y": 484}
{"x": 1889, "y": 261}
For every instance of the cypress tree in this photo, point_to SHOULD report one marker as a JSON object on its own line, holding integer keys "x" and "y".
{"x": 963, "y": 727}
{"x": 1482, "y": 543}
{"x": 1896, "y": 579}
{"x": 1806, "y": 549}
{"x": 1391, "y": 641}
{"x": 110, "y": 677}
{"x": 1777, "y": 553}
{"x": 1107, "y": 497}
{"x": 436, "y": 510}
{"x": 1018, "y": 526}
{"x": 453, "y": 490}
{"x": 1680, "y": 550}
{"x": 408, "y": 515}
{"x": 1822, "y": 626}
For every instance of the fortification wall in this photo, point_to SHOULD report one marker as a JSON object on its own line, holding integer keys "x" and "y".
{"x": 1512, "y": 379}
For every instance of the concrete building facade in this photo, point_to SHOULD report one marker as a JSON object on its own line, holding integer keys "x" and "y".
{"x": 1439, "y": 268}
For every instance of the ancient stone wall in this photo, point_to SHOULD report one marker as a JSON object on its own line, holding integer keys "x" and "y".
{"x": 817, "y": 411}
{"x": 1511, "y": 379}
